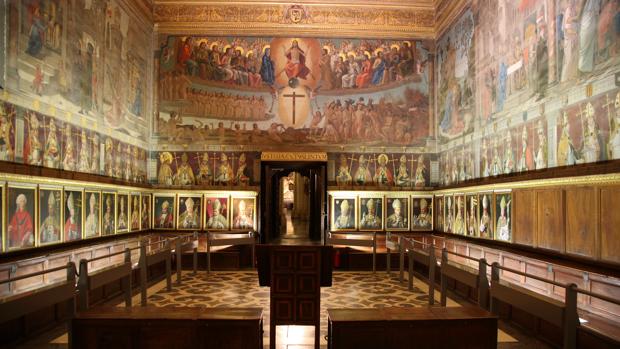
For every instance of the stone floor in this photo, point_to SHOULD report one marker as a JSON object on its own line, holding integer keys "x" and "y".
{"x": 240, "y": 289}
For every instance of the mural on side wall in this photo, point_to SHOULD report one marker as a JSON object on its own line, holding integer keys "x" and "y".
{"x": 533, "y": 55}
{"x": 84, "y": 57}
{"x": 7, "y": 132}
{"x": 455, "y": 79}
{"x": 247, "y": 90}
{"x": 403, "y": 170}
{"x": 205, "y": 168}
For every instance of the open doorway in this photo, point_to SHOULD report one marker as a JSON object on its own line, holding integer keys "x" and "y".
{"x": 295, "y": 206}
{"x": 305, "y": 185}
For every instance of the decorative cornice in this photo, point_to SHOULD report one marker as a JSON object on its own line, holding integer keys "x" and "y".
{"x": 293, "y": 156}
{"x": 446, "y": 13}
{"x": 369, "y": 19}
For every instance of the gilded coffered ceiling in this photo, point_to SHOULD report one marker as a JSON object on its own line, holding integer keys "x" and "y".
{"x": 422, "y": 19}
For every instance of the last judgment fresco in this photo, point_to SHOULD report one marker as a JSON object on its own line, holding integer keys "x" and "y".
{"x": 273, "y": 91}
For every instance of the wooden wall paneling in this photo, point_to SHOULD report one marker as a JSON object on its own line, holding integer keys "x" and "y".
{"x": 491, "y": 256}
{"x": 32, "y": 266}
{"x": 4, "y": 274}
{"x": 550, "y": 219}
{"x": 512, "y": 262}
{"x": 610, "y": 223}
{"x": 524, "y": 209}
{"x": 607, "y": 286}
{"x": 567, "y": 276}
{"x": 54, "y": 262}
{"x": 538, "y": 269}
{"x": 582, "y": 212}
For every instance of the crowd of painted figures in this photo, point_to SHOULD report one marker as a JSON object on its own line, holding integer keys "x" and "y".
{"x": 204, "y": 168}
{"x": 372, "y": 169}
{"x": 52, "y": 143}
{"x": 217, "y": 105}
{"x": 250, "y": 62}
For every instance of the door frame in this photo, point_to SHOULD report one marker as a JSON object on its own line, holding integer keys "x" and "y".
{"x": 271, "y": 173}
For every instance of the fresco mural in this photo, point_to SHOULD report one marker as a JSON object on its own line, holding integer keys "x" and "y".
{"x": 394, "y": 169}
{"x": 205, "y": 168}
{"x": 50, "y": 142}
{"x": 455, "y": 79}
{"x": 544, "y": 90}
{"x": 85, "y": 57}
{"x": 272, "y": 91}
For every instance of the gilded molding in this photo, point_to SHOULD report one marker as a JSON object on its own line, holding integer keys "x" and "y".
{"x": 315, "y": 20}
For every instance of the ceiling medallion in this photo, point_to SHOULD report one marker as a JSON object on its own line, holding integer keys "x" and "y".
{"x": 296, "y": 14}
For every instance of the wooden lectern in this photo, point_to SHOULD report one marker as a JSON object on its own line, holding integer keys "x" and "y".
{"x": 295, "y": 275}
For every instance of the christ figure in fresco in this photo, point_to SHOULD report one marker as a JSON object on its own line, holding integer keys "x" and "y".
{"x": 296, "y": 62}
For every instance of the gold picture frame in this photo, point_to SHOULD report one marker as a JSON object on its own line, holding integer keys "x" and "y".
{"x": 366, "y": 218}
{"x": 87, "y": 222}
{"x": 393, "y": 220}
{"x": 422, "y": 215}
{"x": 342, "y": 223}
{"x": 42, "y": 217}
{"x": 164, "y": 220}
{"x": 132, "y": 212}
{"x": 503, "y": 225}
{"x": 108, "y": 213}
{"x": 240, "y": 222}
{"x": 216, "y": 222}
{"x": 79, "y": 201}
{"x": 439, "y": 207}
{"x": 21, "y": 188}
{"x": 186, "y": 222}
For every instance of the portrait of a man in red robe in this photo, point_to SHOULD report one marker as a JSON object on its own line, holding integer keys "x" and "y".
{"x": 20, "y": 231}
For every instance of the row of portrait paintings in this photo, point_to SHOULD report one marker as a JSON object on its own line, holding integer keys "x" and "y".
{"x": 37, "y": 215}
{"x": 484, "y": 215}
{"x": 218, "y": 211}
{"x": 395, "y": 169}
{"x": 50, "y": 142}
{"x": 381, "y": 212}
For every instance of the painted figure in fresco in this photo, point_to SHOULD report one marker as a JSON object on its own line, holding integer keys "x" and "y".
{"x": 190, "y": 218}
{"x": 370, "y": 220}
{"x": 117, "y": 170}
{"x": 566, "y": 149}
{"x": 83, "y": 158}
{"x": 185, "y": 174}
{"x": 365, "y": 77}
{"x": 217, "y": 220}
{"x": 503, "y": 221}
{"x": 50, "y": 228}
{"x": 485, "y": 167}
{"x": 69, "y": 161}
{"x": 459, "y": 220}
{"x": 91, "y": 225}
{"x": 378, "y": 68}
{"x": 166, "y": 218}
{"x": 204, "y": 170}
{"x": 109, "y": 157}
{"x": 526, "y": 161}
{"x": 614, "y": 135}
{"x": 396, "y": 219}
{"x": 541, "y": 152}
{"x": 420, "y": 173}
{"x": 496, "y": 166}
{"x": 130, "y": 161}
{"x": 345, "y": 219}
{"x": 449, "y": 216}
{"x": 20, "y": 231}
{"x": 383, "y": 175}
{"x": 485, "y": 219}
{"x": 402, "y": 174}
{"x": 72, "y": 224}
{"x": 587, "y": 35}
{"x": 243, "y": 220}
{"x": 224, "y": 172}
{"x": 591, "y": 151}
{"x": 542, "y": 61}
{"x": 146, "y": 213}
{"x": 135, "y": 214}
{"x": 570, "y": 34}
{"x": 350, "y": 73}
{"x": 423, "y": 219}
{"x": 296, "y": 62}
{"x": 267, "y": 72}
{"x": 51, "y": 155}
{"x": 164, "y": 175}
{"x": 471, "y": 218}
{"x": 36, "y": 37}
{"x": 241, "y": 178}
{"x": 122, "y": 214}
{"x": 34, "y": 145}
{"x": 509, "y": 156}
{"x": 108, "y": 218}
{"x": 362, "y": 175}
{"x": 6, "y": 128}
{"x": 344, "y": 175}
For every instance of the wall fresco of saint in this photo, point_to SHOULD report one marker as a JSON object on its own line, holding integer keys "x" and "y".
{"x": 83, "y": 57}
{"x": 544, "y": 91}
{"x": 275, "y": 91}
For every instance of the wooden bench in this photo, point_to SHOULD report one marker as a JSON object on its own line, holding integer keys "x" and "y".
{"x": 153, "y": 327}
{"x": 427, "y": 327}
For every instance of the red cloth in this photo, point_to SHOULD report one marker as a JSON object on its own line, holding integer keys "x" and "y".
{"x": 168, "y": 222}
{"x": 71, "y": 227}
{"x": 365, "y": 77}
{"x": 185, "y": 53}
{"x": 20, "y": 227}
{"x": 297, "y": 70}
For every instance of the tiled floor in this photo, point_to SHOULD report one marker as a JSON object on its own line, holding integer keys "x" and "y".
{"x": 240, "y": 289}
